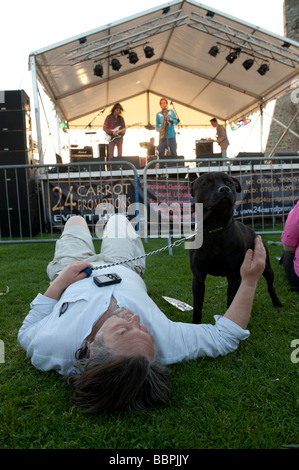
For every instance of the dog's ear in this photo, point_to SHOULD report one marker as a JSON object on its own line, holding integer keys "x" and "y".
{"x": 237, "y": 184}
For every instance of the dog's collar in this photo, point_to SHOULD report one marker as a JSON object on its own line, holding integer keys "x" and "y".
{"x": 214, "y": 230}
{"x": 219, "y": 229}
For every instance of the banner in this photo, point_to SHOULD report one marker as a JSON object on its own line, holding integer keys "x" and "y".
{"x": 267, "y": 194}
{"x": 67, "y": 197}
{"x": 264, "y": 194}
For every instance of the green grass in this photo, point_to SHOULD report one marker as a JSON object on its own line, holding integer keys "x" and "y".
{"x": 246, "y": 400}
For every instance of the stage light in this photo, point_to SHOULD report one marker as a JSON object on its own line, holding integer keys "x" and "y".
{"x": 263, "y": 69}
{"x": 210, "y": 14}
{"x": 286, "y": 44}
{"x": 233, "y": 55}
{"x": 214, "y": 51}
{"x": 133, "y": 58}
{"x": 82, "y": 40}
{"x": 115, "y": 64}
{"x": 98, "y": 70}
{"x": 248, "y": 64}
{"x": 165, "y": 10}
{"x": 149, "y": 52}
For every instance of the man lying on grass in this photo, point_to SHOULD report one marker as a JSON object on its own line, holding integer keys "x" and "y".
{"x": 112, "y": 343}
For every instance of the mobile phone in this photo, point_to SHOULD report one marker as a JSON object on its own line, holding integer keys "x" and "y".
{"x": 106, "y": 279}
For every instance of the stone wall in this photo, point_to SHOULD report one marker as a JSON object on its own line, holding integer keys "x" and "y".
{"x": 286, "y": 106}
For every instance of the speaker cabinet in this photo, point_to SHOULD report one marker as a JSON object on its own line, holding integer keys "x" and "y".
{"x": 135, "y": 160}
{"x": 171, "y": 164}
{"x": 204, "y": 163}
{"x": 18, "y": 197}
{"x": 203, "y": 147}
{"x": 103, "y": 152}
{"x": 15, "y": 140}
{"x": 14, "y": 99}
{"x": 15, "y": 126}
{"x": 18, "y": 203}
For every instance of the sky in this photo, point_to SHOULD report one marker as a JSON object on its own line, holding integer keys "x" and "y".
{"x": 30, "y": 25}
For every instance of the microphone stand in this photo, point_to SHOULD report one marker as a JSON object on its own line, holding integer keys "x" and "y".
{"x": 98, "y": 115}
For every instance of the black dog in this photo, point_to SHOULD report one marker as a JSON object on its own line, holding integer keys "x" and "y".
{"x": 225, "y": 240}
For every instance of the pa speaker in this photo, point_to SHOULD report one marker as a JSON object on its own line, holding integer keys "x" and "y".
{"x": 14, "y": 99}
{"x": 22, "y": 157}
{"x": 15, "y": 122}
{"x": 18, "y": 203}
{"x": 15, "y": 140}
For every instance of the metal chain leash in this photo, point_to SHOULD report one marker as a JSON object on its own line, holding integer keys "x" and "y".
{"x": 159, "y": 250}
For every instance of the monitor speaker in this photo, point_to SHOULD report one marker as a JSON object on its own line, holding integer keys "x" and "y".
{"x": 250, "y": 154}
{"x": 172, "y": 164}
{"x": 135, "y": 160}
{"x": 205, "y": 163}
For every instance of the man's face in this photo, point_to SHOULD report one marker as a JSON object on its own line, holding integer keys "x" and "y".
{"x": 163, "y": 104}
{"x": 126, "y": 336}
{"x": 117, "y": 111}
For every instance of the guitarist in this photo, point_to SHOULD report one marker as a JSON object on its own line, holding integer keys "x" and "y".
{"x": 112, "y": 121}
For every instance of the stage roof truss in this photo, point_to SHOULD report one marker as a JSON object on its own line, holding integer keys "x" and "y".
{"x": 237, "y": 38}
{"x": 127, "y": 37}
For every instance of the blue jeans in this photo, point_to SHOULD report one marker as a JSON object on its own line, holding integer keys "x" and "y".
{"x": 163, "y": 146}
{"x": 287, "y": 260}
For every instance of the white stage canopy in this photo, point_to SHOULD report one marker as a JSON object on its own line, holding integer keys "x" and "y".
{"x": 197, "y": 84}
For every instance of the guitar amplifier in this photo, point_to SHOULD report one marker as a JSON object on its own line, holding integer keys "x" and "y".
{"x": 203, "y": 147}
{"x": 86, "y": 152}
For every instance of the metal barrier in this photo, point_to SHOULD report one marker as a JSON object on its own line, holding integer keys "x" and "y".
{"x": 36, "y": 200}
{"x": 270, "y": 188}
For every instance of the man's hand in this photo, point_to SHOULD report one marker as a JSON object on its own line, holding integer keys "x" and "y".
{"x": 254, "y": 263}
{"x": 252, "y": 268}
{"x": 71, "y": 273}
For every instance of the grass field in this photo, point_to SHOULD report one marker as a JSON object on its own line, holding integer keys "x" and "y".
{"x": 246, "y": 400}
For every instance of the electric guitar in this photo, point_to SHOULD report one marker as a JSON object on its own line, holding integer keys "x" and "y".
{"x": 110, "y": 138}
